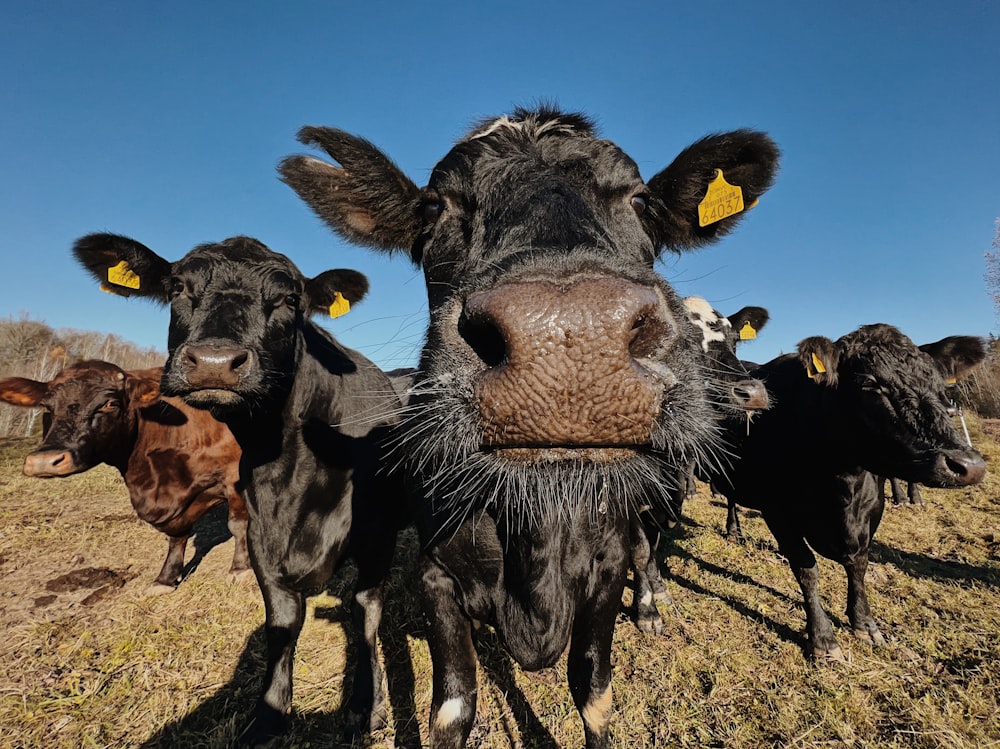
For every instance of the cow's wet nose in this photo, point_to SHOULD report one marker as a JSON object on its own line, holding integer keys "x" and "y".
{"x": 564, "y": 362}
{"x": 49, "y": 463}
{"x": 962, "y": 467}
{"x": 750, "y": 395}
{"x": 214, "y": 366}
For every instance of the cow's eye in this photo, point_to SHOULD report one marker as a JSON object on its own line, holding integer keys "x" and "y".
{"x": 638, "y": 203}
{"x": 176, "y": 288}
{"x": 111, "y": 406}
{"x": 292, "y": 300}
{"x": 430, "y": 207}
{"x": 869, "y": 382}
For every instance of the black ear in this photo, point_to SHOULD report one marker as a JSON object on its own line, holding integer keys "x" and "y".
{"x": 746, "y": 159}
{"x": 749, "y": 321}
{"x": 123, "y": 266}
{"x": 956, "y": 355}
{"x": 334, "y": 291}
{"x": 367, "y": 199}
{"x": 820, "y": 357}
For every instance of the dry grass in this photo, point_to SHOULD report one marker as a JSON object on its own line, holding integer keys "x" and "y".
{"x": 105, "y": 667}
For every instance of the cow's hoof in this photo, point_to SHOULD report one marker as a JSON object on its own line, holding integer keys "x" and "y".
{"x": 241, "y": 576}
{"x": 265, "y": 731}
{"x": 360, "y": 723}
{"x": 651, "y": 623}
{"x": 829, "y": 654}
{"x": 872, "y": 636}
{"x": 159, "y": 589}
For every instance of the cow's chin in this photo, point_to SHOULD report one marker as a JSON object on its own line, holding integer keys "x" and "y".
{"x": 214, "y": 398}
{"x": 539, "y": 455}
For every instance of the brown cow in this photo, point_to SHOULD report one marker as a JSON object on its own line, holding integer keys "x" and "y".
{"x": 177, "y": 461}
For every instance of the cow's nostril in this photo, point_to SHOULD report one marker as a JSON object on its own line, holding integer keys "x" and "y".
{"x": 485, "y": 338}
{"x": 648, "y": 334}
{"x": 240, "y": 359}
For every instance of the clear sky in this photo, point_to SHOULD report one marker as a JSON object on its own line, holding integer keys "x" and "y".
{"x": 165, "y": 121}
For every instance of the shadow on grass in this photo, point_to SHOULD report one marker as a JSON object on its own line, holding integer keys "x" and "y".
{"x": 942, "y": 570}
{"x": 211, "y": 530}
{"x": 219, "y": 721}
{"x": 497, "y": 665}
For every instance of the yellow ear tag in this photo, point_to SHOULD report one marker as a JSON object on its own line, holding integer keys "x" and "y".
{"x": 122, "y": 275}
{"x": 818, "y": 365}
{"x": 721, "y": 200}
{"x": 340, "y": 305}
{"x": 951, "y": 381}
{"x": 747, "y": 332}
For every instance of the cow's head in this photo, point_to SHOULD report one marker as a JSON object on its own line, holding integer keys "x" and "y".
{"x": 556, "y": 357}
{"x": 236, "y": 311}
{"x": 720, "y": 335}
{"x": 90, "y": 415}
{"x": 892, "y": 395}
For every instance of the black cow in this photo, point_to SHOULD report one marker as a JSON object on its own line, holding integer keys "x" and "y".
{"x": 738, "y": 396}
{"x": 558, "y": 369}
{"x": 870, "y": 402}
{"x": 309, "y": 416}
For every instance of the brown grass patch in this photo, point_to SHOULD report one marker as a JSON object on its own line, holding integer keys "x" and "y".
{"x": 83, "y": 668}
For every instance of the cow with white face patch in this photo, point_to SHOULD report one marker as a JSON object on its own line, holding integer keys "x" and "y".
{"x": 737, "y": 396}
{"x": 559, "y": 379}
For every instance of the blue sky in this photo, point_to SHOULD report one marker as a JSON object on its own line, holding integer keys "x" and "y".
{"x": 165, "y": 122}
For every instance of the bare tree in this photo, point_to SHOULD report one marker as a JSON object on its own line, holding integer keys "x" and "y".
{"x": 30, "y": 348}
{"x": 993, "y": 269}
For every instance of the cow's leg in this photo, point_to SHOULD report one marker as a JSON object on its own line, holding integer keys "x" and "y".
{"x": 822, "y": 642}
{"x": 240, "y": 569}
{"x": 733, "y": 529}
{"x": 913, "y": 492}
{"x": 367, "y": 707}
{"x": 898, "y": 497}
{"x": 453, "y": 660}
{"x": 589, "y": 660}
{"x": 173, "y": 567}
{"x": 284, "y": 615}
{"x": 645, "y": 576}
{"x": 858, "y": 610}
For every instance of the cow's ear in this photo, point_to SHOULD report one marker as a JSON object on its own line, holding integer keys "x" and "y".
{"x": 956, "y": 356}
{"x": 749, "y": 321}
{"x": 820, "y": 357}
{"x": 141, "y": 391}
{"x": 123, "y": 266}
{"x": 367, "y": 199}
{"x": 20, "y": 391}
{"x": 334, "y": 291}
{"x": 709, "y": 187}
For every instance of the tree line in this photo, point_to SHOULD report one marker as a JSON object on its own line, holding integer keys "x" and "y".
{"x": 30, "y": 348}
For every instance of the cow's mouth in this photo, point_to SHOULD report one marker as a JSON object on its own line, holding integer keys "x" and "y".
{"x": 209, "y": 397}
{"x": 563, "y": 454}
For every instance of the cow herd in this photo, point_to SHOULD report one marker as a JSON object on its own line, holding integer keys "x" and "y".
{"x": 564, "y": 395}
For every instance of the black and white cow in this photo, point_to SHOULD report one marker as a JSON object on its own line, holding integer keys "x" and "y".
{"x": 738, "y": 395}
{"x": 870, "y": 402}
{"x": 310, "y": 417}
{"x": 560, "y": 372}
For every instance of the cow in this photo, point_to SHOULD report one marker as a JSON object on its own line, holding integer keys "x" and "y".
{"x": 310, "y": 417}
{"x": 558, "y": 379}
{"x": 911, "y": 496}
{"x": 869, "y": 403}
{"x": 176, "y": 461}
{"x": 738, "y": 396}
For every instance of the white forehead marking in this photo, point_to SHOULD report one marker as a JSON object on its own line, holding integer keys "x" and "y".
{"x": 713, "y": 325}
{"x": 538, "y": 128}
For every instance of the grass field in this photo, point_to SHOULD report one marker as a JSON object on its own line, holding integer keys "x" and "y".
{"x": 87, "y": 661}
